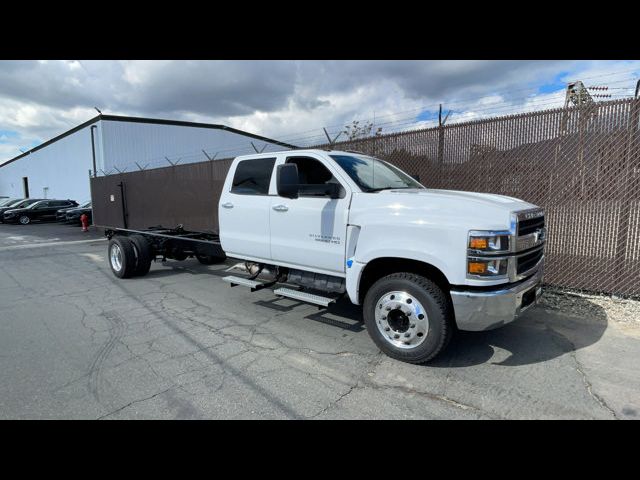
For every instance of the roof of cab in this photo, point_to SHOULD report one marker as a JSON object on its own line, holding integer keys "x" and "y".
{"x": 299, "y": 152}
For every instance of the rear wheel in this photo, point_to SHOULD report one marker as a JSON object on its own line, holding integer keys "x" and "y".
{"x": 408, "y": 317}
{"x": 24, "y": 220}
{"x": 144, "y": 254}
{"x": 122, "y": 257}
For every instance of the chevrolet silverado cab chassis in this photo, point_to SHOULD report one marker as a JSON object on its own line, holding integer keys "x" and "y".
{"x": 315, "y": 225}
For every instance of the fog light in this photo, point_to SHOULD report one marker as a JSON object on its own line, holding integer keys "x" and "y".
{"x": 477, "y": 268}
{"x": 491, "y": 267}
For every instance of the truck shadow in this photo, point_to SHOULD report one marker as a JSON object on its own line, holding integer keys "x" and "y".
{"x": 343, "y": 314}
{"x": 542, "y": 333}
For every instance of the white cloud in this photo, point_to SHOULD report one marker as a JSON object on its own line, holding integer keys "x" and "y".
{"x": 284, "y": 99}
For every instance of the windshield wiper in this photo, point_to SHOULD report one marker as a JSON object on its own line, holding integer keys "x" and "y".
{"x": 386, "y": 188}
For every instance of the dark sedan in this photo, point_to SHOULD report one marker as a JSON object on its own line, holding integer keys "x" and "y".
{"x": 73, "y": 214}
{"x": 17, "y": 203}
{"x": 6, "y": 200}
{"x": 41, "y": 210}
{"x": 61, "y": 214}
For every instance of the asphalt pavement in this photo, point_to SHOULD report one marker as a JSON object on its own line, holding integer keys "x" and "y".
{"x": 76, "y": 342}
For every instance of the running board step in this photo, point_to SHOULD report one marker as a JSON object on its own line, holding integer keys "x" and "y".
{"x": 304, "y": 296}
{"x": 245, "y": 282}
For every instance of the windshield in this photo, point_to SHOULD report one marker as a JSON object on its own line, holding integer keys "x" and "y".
{"x": 86, "y": 205}
{"x": 7, "y": 202}
{"x": 374, "y": 175}
{"x": 24, "y": 203}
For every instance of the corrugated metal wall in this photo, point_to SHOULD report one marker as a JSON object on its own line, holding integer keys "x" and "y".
{"x": 130, "y": 146}
{"x": 121, "y": 146}
{"x": 62, "y": 167}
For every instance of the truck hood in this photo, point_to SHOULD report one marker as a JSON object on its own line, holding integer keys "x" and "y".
{"x": 470, "y": 210}
{"x": 485, "y": 199}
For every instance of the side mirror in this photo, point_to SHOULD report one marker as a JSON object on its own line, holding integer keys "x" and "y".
{"x": 287, "y": 182}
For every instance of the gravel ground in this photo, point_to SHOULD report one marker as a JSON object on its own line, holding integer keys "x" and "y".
{"x": 624, "y": 312}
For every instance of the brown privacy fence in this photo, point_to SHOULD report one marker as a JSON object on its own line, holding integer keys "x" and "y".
{"x": 581, "y": 164}
{"x": 179, "y": 195}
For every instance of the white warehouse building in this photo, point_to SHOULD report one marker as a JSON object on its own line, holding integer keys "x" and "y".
{"x": 60, "y": 168}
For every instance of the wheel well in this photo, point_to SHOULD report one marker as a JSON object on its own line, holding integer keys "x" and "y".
{"x": 380, "y": 267}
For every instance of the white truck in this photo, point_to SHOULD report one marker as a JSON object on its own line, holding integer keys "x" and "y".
{"x": 316, "y": 225}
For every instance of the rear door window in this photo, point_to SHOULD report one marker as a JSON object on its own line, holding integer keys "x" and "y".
{"x": 252, "y": 177}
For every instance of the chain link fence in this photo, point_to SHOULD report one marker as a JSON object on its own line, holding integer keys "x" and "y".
{"x": 582, "y": 164}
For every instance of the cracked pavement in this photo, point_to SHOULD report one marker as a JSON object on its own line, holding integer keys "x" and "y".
{"x": 76, "y": 342}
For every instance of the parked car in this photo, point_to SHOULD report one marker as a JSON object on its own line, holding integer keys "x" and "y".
{"x": 41, "y": 210}
{"x": 61, "y": 214}
{"x": 17, "y": 203}
{"x": 72, "y": 215}
{"x": 5, "y": 202}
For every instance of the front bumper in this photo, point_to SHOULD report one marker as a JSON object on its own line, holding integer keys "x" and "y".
{"x": 485, "y": 310}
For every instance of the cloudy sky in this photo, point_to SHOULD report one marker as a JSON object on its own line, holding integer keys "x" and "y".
{"x": 288, "y": 100}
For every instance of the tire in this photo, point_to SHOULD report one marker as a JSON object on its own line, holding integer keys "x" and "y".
{"x": 393, "y": 309}
{"x": 24, "y": 220}
{"x": 144, "y": 254}
{"x": 209, "y": 259}
{"x": 122, "y": 257}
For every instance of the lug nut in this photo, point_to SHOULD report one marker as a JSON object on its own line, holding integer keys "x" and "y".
{"x": 413, "y": 325}
{"x": 396, "y": 336}
{"x": 387, "y": 329}
{"x": 388, "y": 309}
{"x": 407, "y": 335}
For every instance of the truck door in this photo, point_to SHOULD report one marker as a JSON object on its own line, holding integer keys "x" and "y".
{"x": 243, "y": 212}
{"x": 310, "y": 230}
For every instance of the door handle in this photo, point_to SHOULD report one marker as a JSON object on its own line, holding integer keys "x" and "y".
{"x": 227, "y": 205}
{"x": 280, "y": 208}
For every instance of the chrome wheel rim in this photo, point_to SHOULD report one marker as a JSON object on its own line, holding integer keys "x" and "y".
{"x": 401, "y": 319}
{"x": 116, "y": 257}
{"x": 24, "y": 220}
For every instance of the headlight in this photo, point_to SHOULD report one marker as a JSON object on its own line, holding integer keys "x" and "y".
{"x": 487, "y": 267}
{"x": 488, "y": 242}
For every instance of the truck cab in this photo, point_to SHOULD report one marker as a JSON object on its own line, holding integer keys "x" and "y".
{"x": 422, "y": 262}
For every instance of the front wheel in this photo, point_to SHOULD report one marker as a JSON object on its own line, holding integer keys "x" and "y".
{"x": 24, "y": 220}
{"x": 408, "y": 317}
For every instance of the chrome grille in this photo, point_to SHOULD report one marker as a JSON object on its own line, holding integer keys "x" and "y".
{"x": 529, "y": 260}
{"x": 525, "y": 227}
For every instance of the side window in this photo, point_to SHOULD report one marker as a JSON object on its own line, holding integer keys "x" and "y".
{"x": 252, "y": 177}
{"x": 42, "y": 205}
{"x": 312, "y": 174}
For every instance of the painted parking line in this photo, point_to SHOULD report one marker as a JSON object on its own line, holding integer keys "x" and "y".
{"x": 50, "y": 244}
